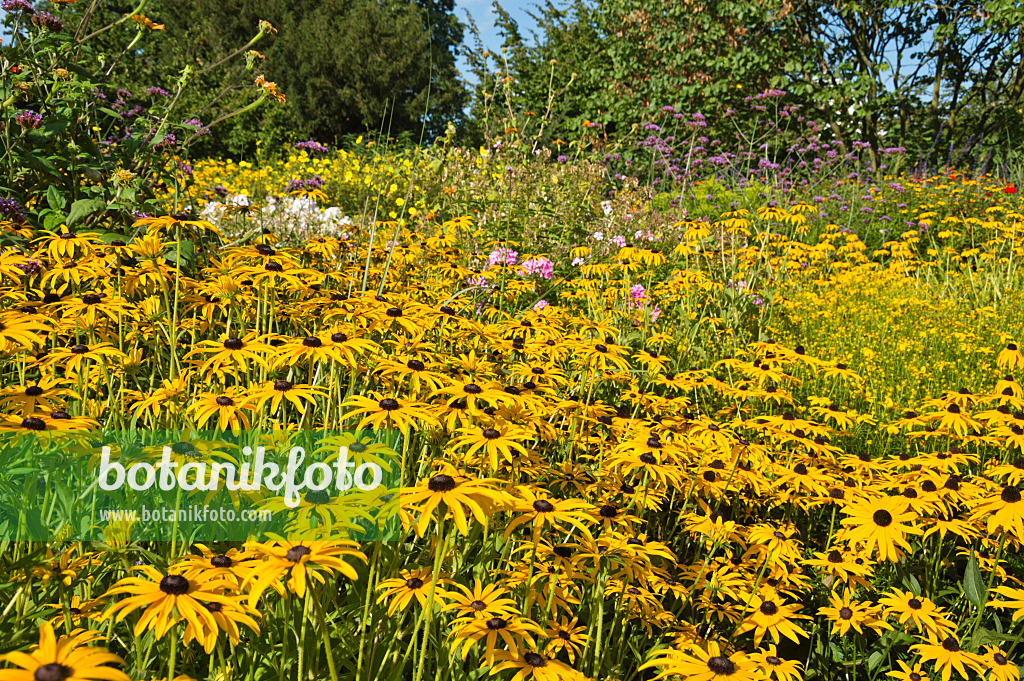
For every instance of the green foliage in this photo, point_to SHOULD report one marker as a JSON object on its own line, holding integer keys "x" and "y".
{"x": 344, "y": 65}
{"x": 75, "y": 150}
{"x": 945, "y": 81}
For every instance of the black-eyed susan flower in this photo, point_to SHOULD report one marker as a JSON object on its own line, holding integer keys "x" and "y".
{"x": 909, "y": 673}
{"x": 228, "y": 409}
{"x": 708, "y": 663}
{"x": 533, "y": 665}
{"x": 166, "y": 599}
{"x": 537, "y": 510}
{"x": 381, "y": 412}
{"x": 1003, "y": 511}
{"x": 768, "y": 614}
{"x": 480, "y": 602}
{"x": 65, "y": 659}
{"x": 232, "y": 355}
{"x": 883, "y": 523}
{"x": 997, "y": 666}
{"x": 947, "y": 656}
{"x": 496, "y": 444}
{"x": 845, "y": 614}
{"x": 297, "y": 563}
{"x": 227, "y": 619}
{"x": 411, "y": 585}
{"x": 301, "y": 396}
{"x": 1009, "y": 358}
{"x": 459, "y": 496}
{"x": 567, "y": 634}
{"x": 78, "y": 609}
{"x": 513, "y": 631}
{"x": 774, "y": 667}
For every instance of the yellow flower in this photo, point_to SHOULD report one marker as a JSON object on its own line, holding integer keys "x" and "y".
{"x": 66, "y": 659}
{"x": 168, "y": 599}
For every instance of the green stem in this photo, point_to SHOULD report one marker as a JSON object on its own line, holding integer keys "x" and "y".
{"x": 321, "y": 622}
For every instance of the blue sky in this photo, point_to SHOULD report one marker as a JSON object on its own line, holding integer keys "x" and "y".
{"x": 482, "y": 12}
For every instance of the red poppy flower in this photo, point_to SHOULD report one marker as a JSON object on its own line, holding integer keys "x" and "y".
{"x": 1010, "y": 190}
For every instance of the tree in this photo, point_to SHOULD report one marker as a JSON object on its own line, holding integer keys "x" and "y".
{"x": 913, "y": 74}
{"x": 344, "y": 65}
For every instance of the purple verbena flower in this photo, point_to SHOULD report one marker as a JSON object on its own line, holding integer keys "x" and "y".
{"x": 47, "y": 21}
{"x": 15, "y": 6}
{"x": 29, "y": 120}
{"x": 312, "y": 146}
{"x": 12, "y": 210}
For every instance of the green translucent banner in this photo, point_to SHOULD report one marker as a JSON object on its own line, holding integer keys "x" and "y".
{"x": 129, "y": 486}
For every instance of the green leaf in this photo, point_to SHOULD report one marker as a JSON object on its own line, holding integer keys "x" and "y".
{"x": 83, "y": 208}
{"x": 974, "y": 585}
{"x": 188, "y": 254}
{"x": 53, "y": 219}
{"x": 55, "y": 199}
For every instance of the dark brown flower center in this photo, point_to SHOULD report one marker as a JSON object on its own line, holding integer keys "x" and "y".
{"x": 221, "y": 561}
{"x": 33, "y": 391}
{"x": 914, "y": 604}
{"x": 478, "y": 605}
{"x": 721, "y": 666}
{"x": 296, "y": 553}
{"x": 951, "y": 644}
{"x": 53, "y": 671}
{"x": 496, "y": 623}
{"x": 882, "y": 518}
{"x": 282, "y": 386}
{"x": 491, "y": 434}
{"x": 174, "y": 585}
{"x": 1010, "y": 495}
{"x": 312, "y": 342}
{"x": 234, "y": 344}
{"x": 389, "y": 404}
{"x": 317, "y": 497}
{"x": 845, "y": 613}
{"x": 835, "y": 557}
{"x": 33, "y": 423}
{"x": 543, "y": 506}
{"x": 769, "y": 608}
{"x": 441, "y": 483}
{"x": 535, "y": 659}
{"x": 225, "y": 401}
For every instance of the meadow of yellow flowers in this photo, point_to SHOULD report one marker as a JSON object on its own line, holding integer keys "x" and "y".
{"x": 751, "y": 442}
